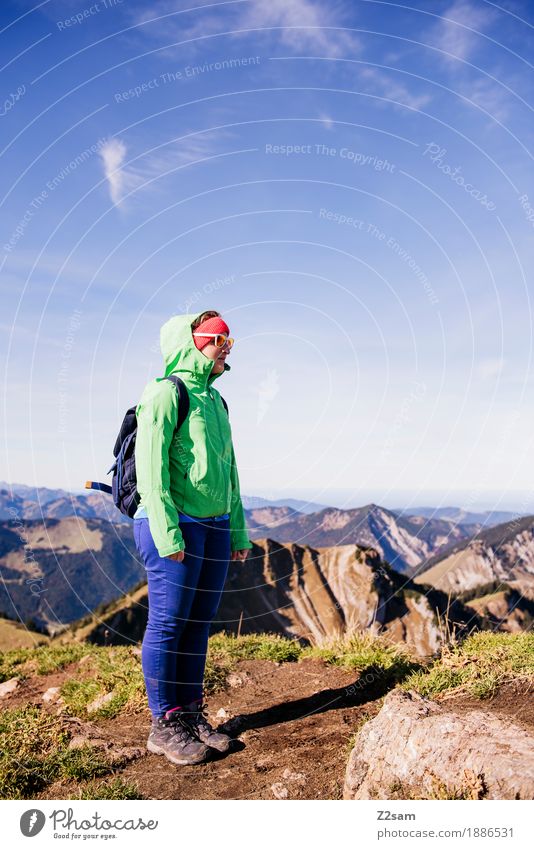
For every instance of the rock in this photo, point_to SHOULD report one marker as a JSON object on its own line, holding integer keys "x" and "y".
{"x": 114, "y": 756}
{"x": 221, "y": 714}
{"x": 126, "y": 754}
{"x": 51, "y": 695}
{"x": 294, "y": 776}
{"x": 237, "y": 680}
{"x": 81, "y": 740}
{"x": 8, "y": 687}
{"x": 279, "y": 791}
{"x": 99, "y": 702}
{"x": 422, "y": 749}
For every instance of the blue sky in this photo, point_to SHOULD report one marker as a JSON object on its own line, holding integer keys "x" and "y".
{"x": 349, "y": 183}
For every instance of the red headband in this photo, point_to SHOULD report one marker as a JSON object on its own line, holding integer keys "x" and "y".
{"x": 216, "y": 324}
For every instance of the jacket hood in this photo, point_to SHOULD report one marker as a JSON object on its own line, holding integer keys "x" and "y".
{"x": 180, "y": 354}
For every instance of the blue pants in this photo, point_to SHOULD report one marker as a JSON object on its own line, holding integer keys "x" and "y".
{"x": 182, "y": 601}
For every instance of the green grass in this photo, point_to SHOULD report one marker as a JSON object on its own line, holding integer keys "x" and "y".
{"x": 34, "y": 753}
{"x": 114, "y": 789}
{"x": 41, "y": 660}
{"x": 364, "y": 651}
{"x": 226, "y": 650}
{"x": 479, "y": 665}
{"x": 110, "y": 670}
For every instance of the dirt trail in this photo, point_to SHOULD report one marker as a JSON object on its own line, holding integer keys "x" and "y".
{"x": 292, "y": 735}
{"x": 294, "y": 722}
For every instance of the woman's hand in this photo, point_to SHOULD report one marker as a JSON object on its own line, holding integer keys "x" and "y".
{"x": 178, "y": 555}
{"x": 241, "y": 554}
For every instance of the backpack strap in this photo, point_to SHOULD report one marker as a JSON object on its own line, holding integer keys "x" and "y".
{"x": 183, "y": 398}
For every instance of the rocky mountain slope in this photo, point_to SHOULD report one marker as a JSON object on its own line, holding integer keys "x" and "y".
{"x": 57, "y": 570}
{"x": 314, "y": 594}
{"x": 458, "y": 515}
{"x": 31, "y": 504}
{"x": 500, "y": 555}
{"x": 403, "y": 540}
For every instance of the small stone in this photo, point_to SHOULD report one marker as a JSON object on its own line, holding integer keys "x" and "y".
{"x": 294, "y": 776}
{"x": 51, "y": 695}
{"x": 221, "y": 714}
{"x": 81, "y": 740}
{"x": 99, "y": 702}
{"x": 127, "y": 753}
{"x": 8, "y": 686}
{"x": 279, "y": 791}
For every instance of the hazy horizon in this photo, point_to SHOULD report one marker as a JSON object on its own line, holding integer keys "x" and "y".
{"x": 522, "y": 503}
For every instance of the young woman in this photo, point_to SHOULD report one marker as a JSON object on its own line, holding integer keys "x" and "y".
{"x": 189, "y": 524}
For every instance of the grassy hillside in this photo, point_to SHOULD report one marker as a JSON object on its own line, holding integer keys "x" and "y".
{"x": 75, "y": 743}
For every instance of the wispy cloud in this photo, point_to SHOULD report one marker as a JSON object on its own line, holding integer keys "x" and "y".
{"x": 456, "y": 34}
{"x": 299, "y": 25}
{"x": 459, "y": 38}
{"x": 489, "y": 95}
{"x": 120, "y": 179}
{"x": 384, "y": 85}
{"x": 142, "y": 171}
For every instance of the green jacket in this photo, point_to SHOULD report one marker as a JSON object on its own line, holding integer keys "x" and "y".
{"x": 192, "y": 470}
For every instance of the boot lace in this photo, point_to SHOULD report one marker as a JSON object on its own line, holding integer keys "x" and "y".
{"x": 199, "y": 718}
{"x": 180, "y": 729}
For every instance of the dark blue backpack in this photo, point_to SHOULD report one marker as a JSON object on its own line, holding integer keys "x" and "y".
{"x": 124, "y": 481}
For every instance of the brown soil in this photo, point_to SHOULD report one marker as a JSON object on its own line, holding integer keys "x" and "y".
{"x": 513, "y": 701}
{"x": 293, "y": 723}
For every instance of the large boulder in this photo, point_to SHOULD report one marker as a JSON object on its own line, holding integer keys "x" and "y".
{"x": 417, "y": 748}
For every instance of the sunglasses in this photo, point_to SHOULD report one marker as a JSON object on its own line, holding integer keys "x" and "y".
{"x": 219, "y": 339}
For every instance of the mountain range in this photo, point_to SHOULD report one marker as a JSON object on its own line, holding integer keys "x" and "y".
{"x": 64, "y": 557}
{"x": 403, "y": 540}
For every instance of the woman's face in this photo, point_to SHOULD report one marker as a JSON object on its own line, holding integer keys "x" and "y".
{"x": 218, "y": 355}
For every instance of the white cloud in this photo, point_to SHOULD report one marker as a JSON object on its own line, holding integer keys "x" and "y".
{"x": 384, "y": 85}
{"x": 143, "y": 171}
{"x": 489, "y": 95}
{"x": 457, "y": 37}
{"x": 300, "y": 25}
{"x": 120, "y": 180}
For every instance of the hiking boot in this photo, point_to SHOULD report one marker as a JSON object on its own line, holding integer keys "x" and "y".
{"x": 195, "y": 717}
{"x": 174, "y": 739}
